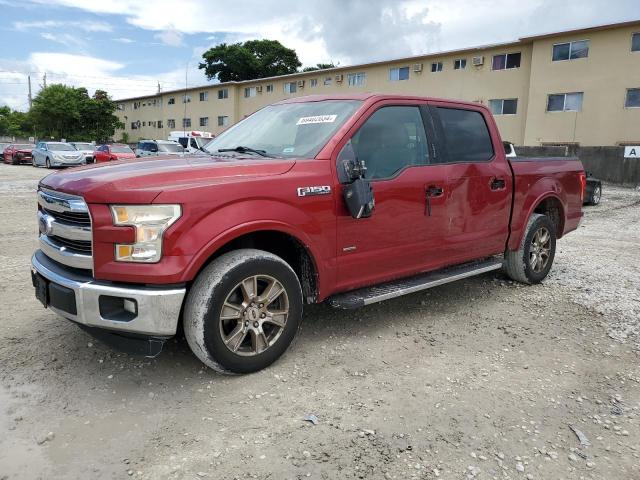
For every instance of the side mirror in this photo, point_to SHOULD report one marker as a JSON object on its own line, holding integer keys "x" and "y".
{"x": 358, "y": 195}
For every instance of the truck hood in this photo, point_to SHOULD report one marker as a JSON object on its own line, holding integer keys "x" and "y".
{"x": 143, "y": 179}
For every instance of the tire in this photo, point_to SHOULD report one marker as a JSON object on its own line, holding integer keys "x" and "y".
{"x": 33, "y": 162}
{"x": 596, "y": 195}
{"x": 212, "y": 338}
{"x": 524, "y": 265}
{"x": 47, "y": 163}
{"x": 14, "y": 160}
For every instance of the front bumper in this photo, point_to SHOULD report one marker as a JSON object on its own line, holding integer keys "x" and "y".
{"x": 67, "y": 162}
{"x": 78, "y": 297}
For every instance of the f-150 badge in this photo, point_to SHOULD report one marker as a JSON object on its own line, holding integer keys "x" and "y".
{"x": 309, "y": 191}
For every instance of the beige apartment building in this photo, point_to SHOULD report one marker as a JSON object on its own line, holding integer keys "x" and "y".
{"x": 574, "y": 87}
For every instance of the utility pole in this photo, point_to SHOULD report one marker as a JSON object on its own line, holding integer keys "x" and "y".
{"x": 30, "y": 99}
{"x": 159, "y": 89}
{"x": 44, "y": 80}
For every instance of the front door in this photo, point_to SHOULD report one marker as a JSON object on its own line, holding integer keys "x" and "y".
{"x": 401, "y": 236}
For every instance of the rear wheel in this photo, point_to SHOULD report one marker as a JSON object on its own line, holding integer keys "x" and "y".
{"x": 243, "y": 311}
{"x": 532, "y": 261}
{"x": 596, "y": 195}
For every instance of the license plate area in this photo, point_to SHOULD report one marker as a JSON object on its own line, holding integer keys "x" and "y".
{"x": 42, "y": 288}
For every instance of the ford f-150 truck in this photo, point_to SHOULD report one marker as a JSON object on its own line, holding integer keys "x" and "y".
{"x": 346, "y": 199}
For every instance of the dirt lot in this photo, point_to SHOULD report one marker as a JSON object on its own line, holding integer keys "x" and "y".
{"x": 479, "y": 379}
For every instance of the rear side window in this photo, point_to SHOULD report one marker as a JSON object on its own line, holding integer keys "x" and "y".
{"x": 184, "y": 141}
{"x": 466, "y": 136}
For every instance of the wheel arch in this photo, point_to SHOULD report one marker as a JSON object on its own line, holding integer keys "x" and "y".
{"x": 549, "y": 204}
{"x": 278, "y": 241}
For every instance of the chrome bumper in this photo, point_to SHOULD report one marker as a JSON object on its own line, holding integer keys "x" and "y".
{"x": 156, "y": 313}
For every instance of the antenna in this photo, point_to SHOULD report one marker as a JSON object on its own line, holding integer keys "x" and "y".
{"x": 159, "y": 89}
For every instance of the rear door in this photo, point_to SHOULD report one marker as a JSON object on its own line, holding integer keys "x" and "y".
{"x": 479, "y": 180}
{"x": 404, "y": 233}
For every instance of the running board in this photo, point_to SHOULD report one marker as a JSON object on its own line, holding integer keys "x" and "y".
{"x": 378, "y": 293}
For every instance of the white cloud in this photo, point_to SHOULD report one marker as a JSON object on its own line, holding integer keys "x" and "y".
{"x": 171, "y": 37}
{"x": 123, "y": 40}
{"x": 86, "y": 26}
{"x": 66, "y": 39}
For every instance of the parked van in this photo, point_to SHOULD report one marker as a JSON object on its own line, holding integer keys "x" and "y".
{"x": 192, "y": 141}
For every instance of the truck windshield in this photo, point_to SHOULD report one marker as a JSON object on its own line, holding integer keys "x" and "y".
{"x": 170, "y": 147}
{"x": 287, "y": 130}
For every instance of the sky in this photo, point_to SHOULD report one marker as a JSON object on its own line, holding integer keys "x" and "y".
{"x": 129, "y": 47}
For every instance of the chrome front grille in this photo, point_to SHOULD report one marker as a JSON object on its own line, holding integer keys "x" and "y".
{"x": 65, "y": 229}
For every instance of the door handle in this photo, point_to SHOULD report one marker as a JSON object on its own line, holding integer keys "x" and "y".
{"x": 432, "y": 191}
{"x": 497, "y": 183}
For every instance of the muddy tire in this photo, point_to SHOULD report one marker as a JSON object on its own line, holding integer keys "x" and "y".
{"x": 243, "y": 311}
{"x": 533, "y": 260}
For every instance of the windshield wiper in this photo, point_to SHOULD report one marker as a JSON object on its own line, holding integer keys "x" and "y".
{"x": 241, "y": 149}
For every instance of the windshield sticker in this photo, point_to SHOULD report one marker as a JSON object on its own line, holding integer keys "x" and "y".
{"x": 288, "y": 150}
{"x": 317, "y": 119}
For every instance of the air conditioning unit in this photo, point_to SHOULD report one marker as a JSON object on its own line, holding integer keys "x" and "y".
{"x": 300, "y": 83}
{"x": 339, "y": 77}
{"x": 417, "y": 67}
{"x": 259, "y": 89}
{"x": 477, "y": 61}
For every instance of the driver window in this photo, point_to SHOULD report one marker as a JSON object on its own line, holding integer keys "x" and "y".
{"x": 194, "y": 144}
{"x": 390, "y": 140}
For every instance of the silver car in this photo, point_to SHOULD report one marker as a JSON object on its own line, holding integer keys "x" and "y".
{"x": 86, "y": 148}
{"x": 154, "y": 148}
{"x": 57, "y": 154}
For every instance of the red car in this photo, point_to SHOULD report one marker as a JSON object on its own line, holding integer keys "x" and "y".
{"x": 16, "y": 153}
{"x": 349, "y": 199}
{"x": 115, "y": 151}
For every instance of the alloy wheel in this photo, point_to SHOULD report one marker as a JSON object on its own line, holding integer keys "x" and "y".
{"x": 254, "y": 315}
{"x": 540, "y": 250}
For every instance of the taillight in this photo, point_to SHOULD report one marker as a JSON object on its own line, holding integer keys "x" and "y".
{"x": 583, "y": 185}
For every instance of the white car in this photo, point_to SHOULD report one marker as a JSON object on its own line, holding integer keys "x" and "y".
{"x": 154, "y": 148}
{"x": 86, "y": 148}
{"x": 56, "y": 154}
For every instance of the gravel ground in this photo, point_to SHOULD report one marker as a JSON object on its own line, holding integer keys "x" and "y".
{"x": 478, "y": 379}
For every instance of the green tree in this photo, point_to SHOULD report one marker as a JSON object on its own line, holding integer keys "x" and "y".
{"x": 319, "y": 66}
{"x": 60, "y": 111}
{"x": 249, "y": 60}
{"x": 14, "y": 123}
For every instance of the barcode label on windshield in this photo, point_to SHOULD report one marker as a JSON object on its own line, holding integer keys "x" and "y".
{"x": 317, "y": 119}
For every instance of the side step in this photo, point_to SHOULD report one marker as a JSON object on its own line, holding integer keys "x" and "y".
{"x": 385, "y": 291}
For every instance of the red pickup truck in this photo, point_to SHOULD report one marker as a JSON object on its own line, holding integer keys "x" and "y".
{"x": 346, "y": 199}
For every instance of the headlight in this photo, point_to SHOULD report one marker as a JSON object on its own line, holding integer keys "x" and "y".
{"x": 150, "y": 222}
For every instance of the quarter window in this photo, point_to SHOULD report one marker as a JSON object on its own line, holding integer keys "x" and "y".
{"x": 436, "y": 67}
{"x": 460, "y": 64}
{"x": 633, "y": 98}
{"x": 391, "y": 139}
{"x": 507, "y": 106}
{"x": 635, "y": 42}
{"x": 565, "y": 102}
{"x": 356, "y": 79}
{"x": 223, "y": 93}
{"x": 506, "y": 61}
{"x": 570, "y": 50}
{"x": 466, "y": 136}
{"x": 290, "y": 87}
{"x": 398, "y": 74}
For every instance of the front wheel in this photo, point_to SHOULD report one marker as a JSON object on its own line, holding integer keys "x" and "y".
{"x": 15, "y": 160}
{"x": 596, "y": 195}
{"x": 47, "y": 163}
{"x": 243, "y": 311}
{"x": 532, "y": 261}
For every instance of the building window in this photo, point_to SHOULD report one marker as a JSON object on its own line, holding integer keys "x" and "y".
{"x": 327, "y": 81}
{"x": 136, "y": 105}
{"x": 159, "y": 123}
{"x": 204, "y": 121}
{"x": 397, "y": 74}
{"x": 356, "y": 79}
{"x": 134, "y": 126}
{"x": 436, "y": 67}
{"x": 633, "y": 98}
{"x": 506, "y": 61}
{"x": 204, "y": 96}
{"x": 120, "y": 106}
{"x": 144, "y": 124}
{"x": 186, "y": 98}
{"x": 570, "y": 50}
{"x": 270, "y": 88}
{"x": 171, "y": 123}
{"x": 223, "y": 121}
{"x": 313, "y": 82}
{"x": 290, "y": 87}
{"x": 635, "y": 42}
{"x": 186, "y": 123}
{"x": 507, "y": 106}
{"x": 460, "y": 64}
{"x": 171, "y": 101}
{"x": 250, "y": 92}
{"x": 565, "y": 102}
{"x": 223, "y": 93}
